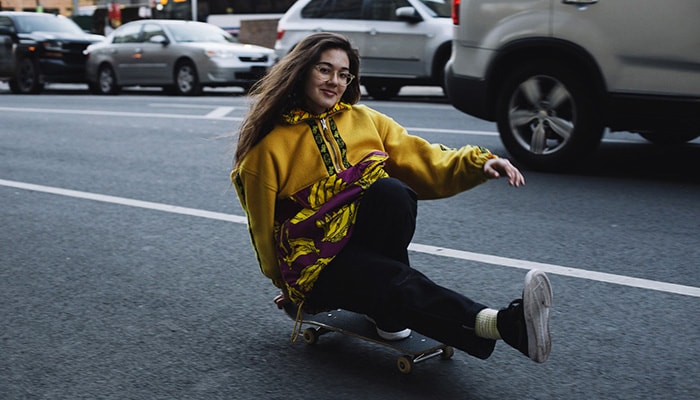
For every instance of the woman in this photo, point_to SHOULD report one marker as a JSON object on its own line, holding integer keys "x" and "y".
{"x": 330, "y": 189}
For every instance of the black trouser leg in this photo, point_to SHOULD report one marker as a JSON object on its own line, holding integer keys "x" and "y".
{"x": 372, "y": 276}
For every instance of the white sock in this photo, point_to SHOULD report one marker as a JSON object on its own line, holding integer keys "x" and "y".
{"x": 486, "y": 324}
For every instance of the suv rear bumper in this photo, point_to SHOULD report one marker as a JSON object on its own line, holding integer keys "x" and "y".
{"x": 468, "y": 94}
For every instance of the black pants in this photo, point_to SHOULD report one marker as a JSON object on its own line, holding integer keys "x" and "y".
{"x": 372, "y": 276}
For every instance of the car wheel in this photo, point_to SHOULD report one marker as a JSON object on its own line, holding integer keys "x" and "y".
{"x": 441, "y": 59}
{"x": 382, "y": 91}
{"x": 547, "y": 116}
{"x": 669, "y": 138}
{"x": 27, "y": 79}
{"x": 106, "y": 81}
{"x": 186, "y": 80}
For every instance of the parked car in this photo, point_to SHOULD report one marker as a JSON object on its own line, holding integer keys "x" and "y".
{"x": 38, "y": 48}
{"x": 400, "y": 42}
{"x": 180, "y": 56}
{"x": 555, "y": 74}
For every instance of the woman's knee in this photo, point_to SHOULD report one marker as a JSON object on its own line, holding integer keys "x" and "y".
{"x": 391, "y": 190}
{"x": 389, "y": 198}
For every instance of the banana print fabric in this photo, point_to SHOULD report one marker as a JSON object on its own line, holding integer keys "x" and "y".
{"x": 318, "y": 222}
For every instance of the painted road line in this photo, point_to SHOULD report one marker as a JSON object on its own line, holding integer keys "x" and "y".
{"x": 427, "y": 249}
{"x": 115, "y": 113}
{"x": 220, "y": 112}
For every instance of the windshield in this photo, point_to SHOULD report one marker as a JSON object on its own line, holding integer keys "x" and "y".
{"x": 441, "y": 8}
{"x": 44, "y": 23}
{"x": 195, "y": 32}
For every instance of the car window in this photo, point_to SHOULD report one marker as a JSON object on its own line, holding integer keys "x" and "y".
{"x": 6, "y": 22}
{"x": 127, "y": 34}
{"x": 196, "y": 32}
{"x": 151, "y": 30}
{"x": 44, "y": 23}
{"x": 335, "y": 9}
{"x": 384, "y": 10}
{"x": 440, "y": 8}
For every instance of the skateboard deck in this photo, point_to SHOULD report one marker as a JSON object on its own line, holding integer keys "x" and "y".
{"x": 413, "y": 349}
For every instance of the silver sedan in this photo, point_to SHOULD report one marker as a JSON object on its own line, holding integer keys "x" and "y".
{"x": 180, "y": 56}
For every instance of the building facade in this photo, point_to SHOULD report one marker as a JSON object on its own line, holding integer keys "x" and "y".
{"x": 63, "y": 7}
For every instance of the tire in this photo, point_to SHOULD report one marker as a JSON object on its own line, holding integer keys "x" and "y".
{"x": 106, "y": 81}
{"x": 547, "y": 116}
{"x": 27, "y": 80}
{"x": 441, "y": 59}
{"x": 186, "y": 81}
{"x": 382, "y": 91}
{"x": 669, "y": 138}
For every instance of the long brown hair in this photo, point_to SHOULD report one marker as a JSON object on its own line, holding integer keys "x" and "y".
{"x": 282, "y": 89}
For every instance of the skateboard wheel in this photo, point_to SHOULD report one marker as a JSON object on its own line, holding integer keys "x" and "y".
{"x": 405, "y": 364}
{"x": 447, "y": 352}
{"x": 310, "y": 336}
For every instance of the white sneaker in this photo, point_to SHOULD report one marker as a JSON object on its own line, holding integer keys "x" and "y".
{"x": 537, "y": 304}
{"x": 524, "y": 324}
{"x": 399, "y": 335}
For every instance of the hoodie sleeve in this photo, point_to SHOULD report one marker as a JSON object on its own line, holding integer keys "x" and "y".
{"x": 258, "y": 202}
{"x": 432, "y": 170}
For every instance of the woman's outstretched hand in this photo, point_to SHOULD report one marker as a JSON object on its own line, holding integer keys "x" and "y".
{"x": 497, "y": 167}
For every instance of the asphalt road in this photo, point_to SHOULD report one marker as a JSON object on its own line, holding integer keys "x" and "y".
{"x": 126, "y": 270}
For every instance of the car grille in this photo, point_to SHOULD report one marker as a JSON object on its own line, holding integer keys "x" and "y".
{"x": 74, "y": 53}
{"x": 254, "y": 74}
{"x": 262, "y": 58}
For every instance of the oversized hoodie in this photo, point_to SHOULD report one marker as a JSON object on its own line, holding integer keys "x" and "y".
{"x": 301, "y": 185}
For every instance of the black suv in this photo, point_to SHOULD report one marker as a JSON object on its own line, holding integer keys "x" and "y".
{"x": 38, "y": 48}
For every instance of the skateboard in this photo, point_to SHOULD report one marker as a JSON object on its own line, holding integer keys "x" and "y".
{"x": 413, "y": 349}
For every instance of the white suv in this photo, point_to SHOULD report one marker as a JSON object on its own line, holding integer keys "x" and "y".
{"x": 555, "y": 73}
{"x": 401, "y": 42}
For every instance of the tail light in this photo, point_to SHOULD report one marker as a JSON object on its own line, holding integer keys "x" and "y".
{"x": 455, "y": 11}
{"x": 280, "y": 34}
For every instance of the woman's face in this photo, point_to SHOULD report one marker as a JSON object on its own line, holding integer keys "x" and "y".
{"x": 323, "y": 85}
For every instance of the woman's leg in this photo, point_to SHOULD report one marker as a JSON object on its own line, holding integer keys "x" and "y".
{"x": 386, "y": 219}
{"x": 372, "y": 276}
{"x": 397, "y": 297}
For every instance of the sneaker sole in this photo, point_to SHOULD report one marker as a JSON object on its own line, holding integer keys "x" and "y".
{"x": 391, "y": 336}
{"x": 537, "y": 304}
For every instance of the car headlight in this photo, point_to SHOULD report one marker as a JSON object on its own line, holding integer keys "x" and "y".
{"x": 53, "y": 45}
{"x": 220, "y": 53}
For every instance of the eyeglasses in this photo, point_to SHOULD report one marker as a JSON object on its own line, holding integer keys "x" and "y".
{"x": 325, "y": 73}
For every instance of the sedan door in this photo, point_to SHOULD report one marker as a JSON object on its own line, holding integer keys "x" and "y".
{"x": 392, "y": 47}
{"x": 125, "y": 54}
{"x": 156, "y": 58}
{"x": 343, "y": 17}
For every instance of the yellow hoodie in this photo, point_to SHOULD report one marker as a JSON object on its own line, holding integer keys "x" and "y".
{"x": 307, "y": 160}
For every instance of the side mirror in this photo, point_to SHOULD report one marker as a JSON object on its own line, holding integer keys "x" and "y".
{"x": 408, "y": 14}
{"x": 159, "y": 39}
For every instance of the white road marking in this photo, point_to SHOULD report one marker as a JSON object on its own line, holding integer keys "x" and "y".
{"x": 219, "y": 112}
{"x": 126, "y": 202}
{"x": 184, "y": 105}
{"x": 115, "y": 113}
{"x": 451, "y": 131}
{"x": 421, "y": 248}
{"x": 559, "y": 270}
